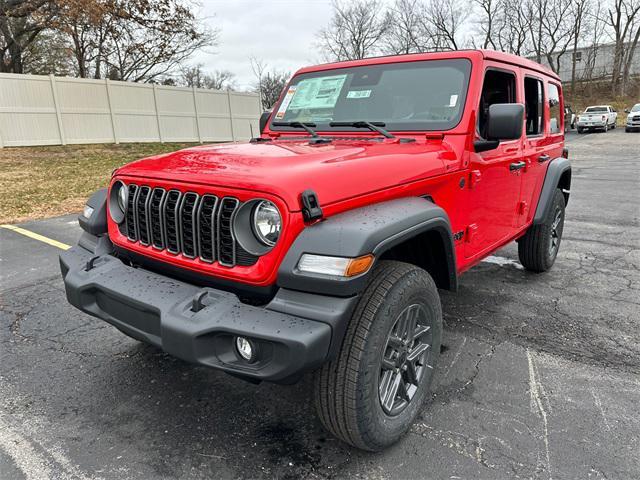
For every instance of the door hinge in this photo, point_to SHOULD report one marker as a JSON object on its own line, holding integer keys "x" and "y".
{"x": 474, "y": 178}
{"x": 522, "y": 208}
{"x": 472, "y": 230}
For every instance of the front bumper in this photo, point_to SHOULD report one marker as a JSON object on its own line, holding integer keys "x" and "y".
{"x": 162, "y": 311}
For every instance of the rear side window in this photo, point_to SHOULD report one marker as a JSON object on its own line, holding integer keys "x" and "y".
{"x": 534, "y": 105}
{"x": 555, "y": 122}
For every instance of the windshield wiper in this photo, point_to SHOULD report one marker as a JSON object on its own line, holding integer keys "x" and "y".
{"x": 373, "y": 126}
{"x": 304, "y": 125}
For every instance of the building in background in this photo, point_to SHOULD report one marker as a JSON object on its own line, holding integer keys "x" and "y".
{"x": 594, "y": 62}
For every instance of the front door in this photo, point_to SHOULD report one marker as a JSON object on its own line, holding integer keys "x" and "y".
{"x": 495, "y": 178}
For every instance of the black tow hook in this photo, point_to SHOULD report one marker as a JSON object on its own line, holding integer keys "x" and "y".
{"x": 197, "y": 303}
{"x": 91, "y": 263}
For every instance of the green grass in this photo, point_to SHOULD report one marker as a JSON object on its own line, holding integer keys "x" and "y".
{"x": 38, "y": 182}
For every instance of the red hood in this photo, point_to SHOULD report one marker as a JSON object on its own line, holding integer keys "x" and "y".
{"x": 285, "y": 168}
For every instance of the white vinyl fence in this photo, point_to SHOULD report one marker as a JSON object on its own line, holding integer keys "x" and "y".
{"x": 41, "y": 110}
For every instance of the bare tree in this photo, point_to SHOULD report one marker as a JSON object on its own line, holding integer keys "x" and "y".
{"x": 269, "y": 83}
{"x": 559, "y": 30}
{"x": 623, "y": 18}
{"x": 405, "y": 33}
{"x": 580, "y": 13}
{"x": 442, "y": 21}
{"x": 195, "y": 76}
{"x": 355, "y": 31}
{"x": 221, "y": 80}
{"x": 490, "y": 18}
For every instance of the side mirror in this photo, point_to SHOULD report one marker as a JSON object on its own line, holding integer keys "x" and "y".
{"x": 626, "y": 110}
{"x": 264, "y": 119}
{"x": 504, "y": 122}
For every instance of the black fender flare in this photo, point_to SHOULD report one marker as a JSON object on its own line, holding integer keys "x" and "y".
{"x": 370, "y": 229}
{"x": 557, "y": 168}
{"x": 96, "y": 224}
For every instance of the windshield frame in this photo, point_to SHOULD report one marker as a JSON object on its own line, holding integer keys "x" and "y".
{"x": 325, "y": 128}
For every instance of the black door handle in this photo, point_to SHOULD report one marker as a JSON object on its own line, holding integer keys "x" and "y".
{"x": 517, "y": 166}
{"x": 544, "y": 158}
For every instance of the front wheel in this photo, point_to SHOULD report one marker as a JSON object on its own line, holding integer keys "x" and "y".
{"x": 538, "y": 248}
{"x": 371, "y": 393}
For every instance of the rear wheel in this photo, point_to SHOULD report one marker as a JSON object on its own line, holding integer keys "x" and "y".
{"x": 371, "y": 393}
{"x": 539, "y": 247}
{"x": 606, "y": 127}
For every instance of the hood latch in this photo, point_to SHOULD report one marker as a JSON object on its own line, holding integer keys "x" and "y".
{"x": 311, "y": 210}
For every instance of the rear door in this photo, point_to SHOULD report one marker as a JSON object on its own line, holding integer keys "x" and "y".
{"x": 544, "y": 138}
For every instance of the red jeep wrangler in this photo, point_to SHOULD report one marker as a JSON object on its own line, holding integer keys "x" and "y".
{"x": 321, "y": 245}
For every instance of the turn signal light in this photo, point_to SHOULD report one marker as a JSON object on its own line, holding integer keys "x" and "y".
{"x": 336, "y": 266}
{"x": 359, "y": 265}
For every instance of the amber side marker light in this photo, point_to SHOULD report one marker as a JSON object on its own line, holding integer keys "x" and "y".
{"x": 359, "y": 265}
{"x": 337, "y": 266}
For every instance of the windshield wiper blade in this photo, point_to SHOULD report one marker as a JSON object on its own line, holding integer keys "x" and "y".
{"x": 373, "y": 126}
{"x": 304, "y": 125}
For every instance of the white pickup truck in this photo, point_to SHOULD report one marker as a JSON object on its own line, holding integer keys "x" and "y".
{"x": 601, "y": 117}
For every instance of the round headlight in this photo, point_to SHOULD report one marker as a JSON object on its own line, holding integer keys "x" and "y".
{"x": 118, "y": 201}
{"x": 123, "y": 193}
{"x": 267, "y": 223}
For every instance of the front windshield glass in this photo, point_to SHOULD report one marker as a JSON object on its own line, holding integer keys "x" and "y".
{"x": 596, "y": 109}
{"x": 636, "y": 108}
{"x": 426, "y": 95}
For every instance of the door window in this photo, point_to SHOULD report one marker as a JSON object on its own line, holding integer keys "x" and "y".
{"x": 499, "y": 87}
{"x": 554, "y": 108}
{"x": 534, "y": 106}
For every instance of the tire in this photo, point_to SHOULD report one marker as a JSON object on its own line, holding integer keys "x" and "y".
{"x": 606, "y": 128}
{"x": 626, "y": 129}
{"x": 613, "y": 126}
{"x": 538, "y": 248}
{"x": 348, "y": 389}
{"x": 579, "y": 130}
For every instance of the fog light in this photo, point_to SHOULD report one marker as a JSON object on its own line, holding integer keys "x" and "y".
{"x": 246, "y": 349}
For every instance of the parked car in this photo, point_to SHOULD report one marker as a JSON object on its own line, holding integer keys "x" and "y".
{"x": 321, "y": 245}
{"x": 633, "y": 118}
{"x": 569, "y": 118}
{"x": 601, "y": 117}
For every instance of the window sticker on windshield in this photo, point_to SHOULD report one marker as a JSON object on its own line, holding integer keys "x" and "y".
{"x": 285, "y": 103}
{"x": 358, "y": 93}
{"x": 453, "y": 100}
{"x": 321, "y": 92}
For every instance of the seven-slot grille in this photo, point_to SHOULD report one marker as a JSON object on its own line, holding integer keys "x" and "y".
{"x": 187, "y": 223}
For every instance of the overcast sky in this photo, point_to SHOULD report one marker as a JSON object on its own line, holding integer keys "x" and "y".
{"x": 280, "y": 32}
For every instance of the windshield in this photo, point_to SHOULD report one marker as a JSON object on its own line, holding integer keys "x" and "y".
{"x": 636, "y": 108}
{"x": 596, "y": 110}
{"x": 427, "y": 95}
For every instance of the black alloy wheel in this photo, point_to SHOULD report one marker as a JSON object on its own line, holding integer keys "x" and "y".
{"x": 405, "y": 360}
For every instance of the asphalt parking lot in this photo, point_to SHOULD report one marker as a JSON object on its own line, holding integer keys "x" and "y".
{"x": 539, "y": 377}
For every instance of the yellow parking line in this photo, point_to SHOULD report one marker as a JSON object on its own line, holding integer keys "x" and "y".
{"x": 36, "y": 236}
